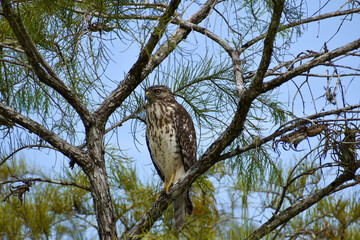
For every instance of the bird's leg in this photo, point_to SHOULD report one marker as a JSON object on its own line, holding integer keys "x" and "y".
{"x": 165, "y": 184}
{"x": 168, "y": 185}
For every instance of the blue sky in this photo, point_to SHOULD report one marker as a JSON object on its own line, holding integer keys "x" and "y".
{"x": 313, "y": 38}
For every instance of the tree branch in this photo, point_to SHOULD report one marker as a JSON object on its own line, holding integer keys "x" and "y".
{"x": 300, "y": 22}
{"x": 282, "y": 130}
{"x": 146, "y": 64}
{"x": 25, "y": 147}
{"x": 67, "y": 149}
{"x": 234, "y": 55}
{"x": 268, "y": 43}
{"x": 300, "y": 206}
{"x": 42, "y": 69}
{"x": 308, "y": 65}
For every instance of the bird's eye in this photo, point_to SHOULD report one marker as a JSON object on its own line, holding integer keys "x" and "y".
{"x": 157, "y": 91}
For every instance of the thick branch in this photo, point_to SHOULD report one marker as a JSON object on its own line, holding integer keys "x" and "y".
{"x": 42, "y": 69}
{"x": 60, "y": 144}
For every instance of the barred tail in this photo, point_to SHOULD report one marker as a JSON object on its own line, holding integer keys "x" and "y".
{"x": 180, "y": 211}
{"x": 182, "y": 205}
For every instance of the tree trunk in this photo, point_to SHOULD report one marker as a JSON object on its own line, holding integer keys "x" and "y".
{"x": 100, "y": 189}
{"x": 102, "y": 202}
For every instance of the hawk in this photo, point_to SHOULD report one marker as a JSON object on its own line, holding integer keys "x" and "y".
{"x": 171, "y": 139}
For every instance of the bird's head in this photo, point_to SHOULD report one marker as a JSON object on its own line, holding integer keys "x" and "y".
{"x": 158, "y": 92}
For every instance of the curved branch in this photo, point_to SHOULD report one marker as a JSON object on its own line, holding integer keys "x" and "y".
{"x": 42, "y": 68}
{"x": 22, "y": 148}
{"x": 282, "y": 130}
{"x": 57, "y": 142}
{"x": 234, "y": 55}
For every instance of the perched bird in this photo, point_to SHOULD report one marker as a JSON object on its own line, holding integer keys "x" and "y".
{"x": 171, "y": 139}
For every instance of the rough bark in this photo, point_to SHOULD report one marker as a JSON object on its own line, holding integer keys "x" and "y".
{"x": 99, "y": 184}
{"x": 101, "y": 196}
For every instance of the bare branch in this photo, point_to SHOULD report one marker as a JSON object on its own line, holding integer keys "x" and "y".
{"x": 16, "y": 63}
{"x": 25, "y": 147}
{"x": 319, "y": 60}
{"x": 282, "y": 130}
{"x": 67, "y": 149}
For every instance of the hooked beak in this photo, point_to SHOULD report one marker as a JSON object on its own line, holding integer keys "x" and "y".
{"x": 147, "y": 95}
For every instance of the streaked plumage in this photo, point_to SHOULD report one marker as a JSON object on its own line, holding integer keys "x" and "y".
{"x": 171, "y": 139}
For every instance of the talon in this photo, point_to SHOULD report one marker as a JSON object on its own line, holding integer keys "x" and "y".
{"x": 168, "y": 185}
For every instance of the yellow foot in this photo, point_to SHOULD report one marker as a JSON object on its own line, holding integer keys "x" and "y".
{"x": 168, "y": 184}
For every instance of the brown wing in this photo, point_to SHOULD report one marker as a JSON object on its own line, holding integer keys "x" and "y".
{"x": 156, "y": 167}
{"x": 186, "y": 136}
